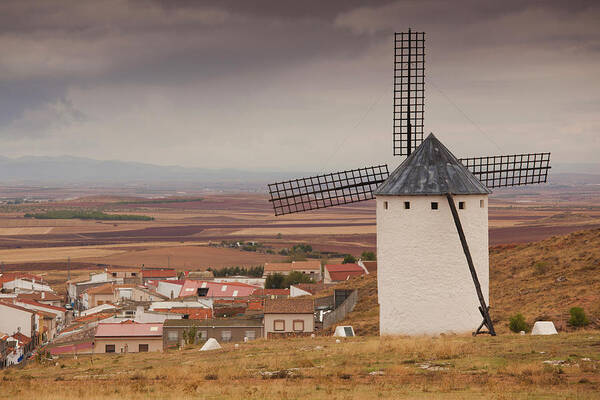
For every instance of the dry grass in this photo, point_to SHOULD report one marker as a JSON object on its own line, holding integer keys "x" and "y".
{"x": 454, "y": 367}
{"x": 543, "y": 280}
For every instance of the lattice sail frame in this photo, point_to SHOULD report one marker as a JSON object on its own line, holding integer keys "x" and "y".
{"x": 509, "y": 170}
{"x": 409, "y": 91}
{"x": 326, "y": 190}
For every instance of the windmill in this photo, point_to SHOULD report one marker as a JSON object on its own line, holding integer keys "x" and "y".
{"x": 414, "y": 242}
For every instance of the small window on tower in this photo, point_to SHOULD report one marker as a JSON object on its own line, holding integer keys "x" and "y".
{"x": 407, "y": 205}
{"x": 481, "y": 203}
{"x": 385, "y": 205}
{"x": 434, "y": 205}
{"x": 461, "y": 205}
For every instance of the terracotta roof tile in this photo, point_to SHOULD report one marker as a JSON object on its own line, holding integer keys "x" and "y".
{"x": 22, "y": 338}
{"x": 107, "y": 288}
{"x": 289, "y": 306}
{"x": 293, "y": 266}
{"x": 312, "y": 288}
{"x": 37, "y": 296}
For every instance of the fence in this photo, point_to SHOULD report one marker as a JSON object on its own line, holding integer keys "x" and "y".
{"x": 340, "y": 313}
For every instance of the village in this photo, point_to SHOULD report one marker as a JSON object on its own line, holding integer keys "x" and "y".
{"x": 137, "y": 309}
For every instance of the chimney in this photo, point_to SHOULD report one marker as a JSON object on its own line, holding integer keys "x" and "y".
{"x": 43, "y": 295}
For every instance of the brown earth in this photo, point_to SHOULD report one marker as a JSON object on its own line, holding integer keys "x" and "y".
{"x": 516, "y": 216}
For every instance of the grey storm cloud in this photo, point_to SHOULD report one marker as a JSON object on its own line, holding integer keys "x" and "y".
{"x": 292, "y": 85}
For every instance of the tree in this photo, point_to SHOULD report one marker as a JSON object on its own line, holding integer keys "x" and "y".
{"x": 349, "y": 259}
{"x": 295, "y": 277}
{"x": 275, "y": 281}
{"x": 368, "y": 256}
{"x": 189, "y": 335}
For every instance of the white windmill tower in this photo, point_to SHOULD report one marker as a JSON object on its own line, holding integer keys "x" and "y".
{"x": 424, "y": 283}
{"x": 425, "y": 286}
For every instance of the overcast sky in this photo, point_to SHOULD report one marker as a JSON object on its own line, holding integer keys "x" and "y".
{"x": 293, "y": 85}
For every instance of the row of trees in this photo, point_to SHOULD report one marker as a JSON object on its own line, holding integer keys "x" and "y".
{"x": 254, "y": 272}
{"x": 87, "y": 214}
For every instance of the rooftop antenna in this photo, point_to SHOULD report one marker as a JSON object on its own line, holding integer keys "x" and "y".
{"x": 351, "y": 186}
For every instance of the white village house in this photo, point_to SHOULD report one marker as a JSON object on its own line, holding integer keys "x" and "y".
{"x": 424, "y": 282}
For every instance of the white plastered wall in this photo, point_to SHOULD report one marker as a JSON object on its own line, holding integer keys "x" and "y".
{"x": 424, "y": 282}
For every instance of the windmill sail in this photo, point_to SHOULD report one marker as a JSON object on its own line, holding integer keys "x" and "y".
{"x": 326, "y": 190}
{"x": 509, "y": 170}
{"x": 409, "y": 91}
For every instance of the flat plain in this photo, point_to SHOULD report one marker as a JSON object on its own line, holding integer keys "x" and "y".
{"x": 182, "y": 231}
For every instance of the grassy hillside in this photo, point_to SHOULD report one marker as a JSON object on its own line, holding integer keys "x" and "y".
{"x": 541, "y": 280}
{"x": 451, "y": 367}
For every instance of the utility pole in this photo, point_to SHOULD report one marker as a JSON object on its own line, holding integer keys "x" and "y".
{"x": 68, "y": 268}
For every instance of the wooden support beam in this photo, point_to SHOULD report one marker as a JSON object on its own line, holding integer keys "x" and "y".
{"x": 483, "y": 308}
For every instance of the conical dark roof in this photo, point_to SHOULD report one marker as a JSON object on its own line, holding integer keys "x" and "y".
{"x": 431, "y": 170}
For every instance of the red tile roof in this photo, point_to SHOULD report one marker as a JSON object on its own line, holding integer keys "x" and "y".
{"x": 342, "y": 272}
{"x": 107, "y": 288}
{"x": 314, "y": 265}
{"x": 37, "y": 296}
{"x": 22, "y": 338}
{"x": 193, "y": 313}
{"x": 11, "y": 276}
{"x": 255, "y": 306}
{"x": 312, "y": 288}
{"x": 129, "y": 330}
{"x": 371, "y": 266}
{"x": 97, "y": 316}
{"x": 289, "y": 306}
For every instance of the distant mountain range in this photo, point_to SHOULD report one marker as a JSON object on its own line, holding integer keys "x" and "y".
{"x": 79, "y": 170}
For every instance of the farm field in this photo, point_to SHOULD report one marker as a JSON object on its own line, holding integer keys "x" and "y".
{"x": 181, "y": 230}
{"x": 449, "y": 367}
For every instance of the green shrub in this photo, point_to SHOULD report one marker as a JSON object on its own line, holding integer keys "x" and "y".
{"x": 517, "y": 323}
{"x": 349, "y": 259}
{"x": 578, "y": 317}
{"x": 275, "y": 281}
{"x": 368, "y": 256}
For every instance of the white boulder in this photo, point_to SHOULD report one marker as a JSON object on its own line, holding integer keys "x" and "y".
{"x": 211, "y": 344}
{"x": 344, "y": 331}
{"x": 544, "y": 328}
